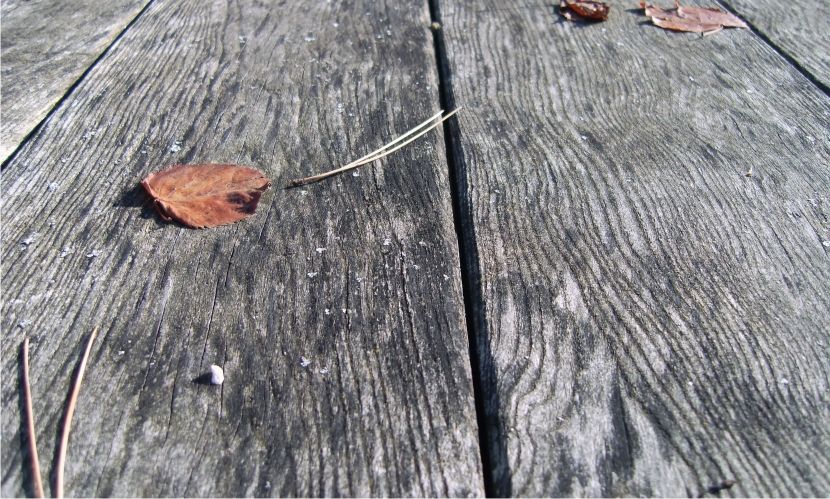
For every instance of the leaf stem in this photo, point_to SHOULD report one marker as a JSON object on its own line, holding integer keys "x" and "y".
{"x": 30, "y": 423}
{"x": 70, "y": 411}
{"x": 380, "y": 152}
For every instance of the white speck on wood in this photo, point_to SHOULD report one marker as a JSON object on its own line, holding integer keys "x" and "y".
{"x": 217, "y": 375}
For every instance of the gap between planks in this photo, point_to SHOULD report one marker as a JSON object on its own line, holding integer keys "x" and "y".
{"x": 481, "y": 358}
{"x": 58, "y": 103}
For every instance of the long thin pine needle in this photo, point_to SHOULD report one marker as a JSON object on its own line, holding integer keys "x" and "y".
{"x": 382, "y": 151}
{"x": 382, "y": 148}
{"x": 30, "y": 423}
{"x": 67, "y": 420}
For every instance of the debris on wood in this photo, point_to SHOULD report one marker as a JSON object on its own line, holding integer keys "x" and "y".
{"x": 717, "y": 488}
{"x": 34, "y": 464}
{"x": 204, "y": 196}
{"x": 706, "y": 20}
{"x": 71, "y": 402}
{"x": 217, "y": 375}
{"x": 382, "y": 151}
{"x": 585, "y": 10}
{"x": 70, "y": 412}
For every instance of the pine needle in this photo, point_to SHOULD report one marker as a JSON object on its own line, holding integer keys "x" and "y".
{"x": 70, "y": 411}
{"x": 382, "y": 151}
{"x": 30, "y": 423}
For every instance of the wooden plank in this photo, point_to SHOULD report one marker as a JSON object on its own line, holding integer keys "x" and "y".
{"x": 650, "y": 320}
{"x": 46, "y": 46}
{"x": 357, "y": 275}
{"x": 799, "y": 29}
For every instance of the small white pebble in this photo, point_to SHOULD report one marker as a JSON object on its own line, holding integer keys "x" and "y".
{"x": 421, "y": 243}
{"x": 217, "y": 375}
{"x": 311, "y": 274}
{"x": 53, "y": 187}
{"x": 242, "y": 40}
{"x": 29, "y": 240}
{"x": 826, "y": 244}
{"x": 324, "y": 370}
{"x": 65, "y": 252}
{"x": 303, "y": 193}
{"x": 446, "y": 277}
{"x": 304, "y": 362}
{"x": 328, "y": 311}
{"x": 121, "y": 352}
{"x": 784, "y": 381}
{"x": 691, "y": 79}
{"x": 344, "y": 310}
{"x": 320, "y": 250}
{"x": 176, "y": 147}
{"x": 355, "y": 173}
{"x": 387, "y": 241}
{"x": 93, "y": 254}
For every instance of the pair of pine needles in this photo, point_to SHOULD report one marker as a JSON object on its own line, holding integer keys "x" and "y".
{"x": 383, "y": 150}
{"x": 67, "y": 419}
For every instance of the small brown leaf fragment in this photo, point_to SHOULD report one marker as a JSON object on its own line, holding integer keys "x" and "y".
{"x": 587, "y": 10}
{"x": 678, "y": 24}
{"x": 694, "y": 19}
{"x": 715, "y": 16}
{"x": 208, "y": 195}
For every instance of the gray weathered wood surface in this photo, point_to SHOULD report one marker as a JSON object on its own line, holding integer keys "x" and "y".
{"x": 46, "y": 46}
{"x": 654, "y": 320}
{"x": 799, "y": 28}
{"x": 359, "y": 275}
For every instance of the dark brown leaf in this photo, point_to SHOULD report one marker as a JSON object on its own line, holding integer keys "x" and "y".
{"x": 594, "y": 11}
{"x": 203, "y": 196}
{"x": 694, "y": 19}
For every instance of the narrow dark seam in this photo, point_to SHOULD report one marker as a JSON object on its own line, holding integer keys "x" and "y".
{"x": 492, "y": 440}
{"x": 783, "y": 53}
{"x": 72, "y": 87}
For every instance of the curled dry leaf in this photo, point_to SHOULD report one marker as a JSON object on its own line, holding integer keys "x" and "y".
{"x": 695, "y": 19}
{"x": 203, "y": 196}
{"x": 593, "y": 11}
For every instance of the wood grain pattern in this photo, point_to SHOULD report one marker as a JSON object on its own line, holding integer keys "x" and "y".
{"x": 46, "y": 46}
{"x": 801, "y": 29}
{"x": 336, "y": 311}
{"x": 654, "y": 320}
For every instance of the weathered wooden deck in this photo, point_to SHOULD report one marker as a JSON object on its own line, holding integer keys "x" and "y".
{"x": 576, "y": 288}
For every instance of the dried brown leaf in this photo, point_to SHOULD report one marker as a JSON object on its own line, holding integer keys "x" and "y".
{"x": 593, "y": 11}
{"x": 203, "y": 196}
{"x": 675, "y": 23}
{"x": 716, "y": 16}
{"x": 693, "y": 19}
